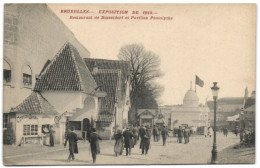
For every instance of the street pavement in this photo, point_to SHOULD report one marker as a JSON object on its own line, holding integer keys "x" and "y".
{"x": 198, "y": 151}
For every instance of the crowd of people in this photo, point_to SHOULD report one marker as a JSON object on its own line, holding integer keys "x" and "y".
{"x": 128, "y": 139}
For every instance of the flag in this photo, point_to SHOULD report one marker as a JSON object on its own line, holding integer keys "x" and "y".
{"x": 199, "y": 81}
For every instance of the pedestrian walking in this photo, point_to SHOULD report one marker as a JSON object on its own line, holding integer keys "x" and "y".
{"x": 52, "y": 132}
{"x": 146, "y": 141}
{"x": 73, "y": 147}
{"x": 128, "y": 135}
{"x": 155, "y": 133}
{"x": 94, "y": 144}
{"x": 141, "y": 135}
{"x": 119, "y": 144}
{"x": 186, "y": 135}
{"x": 180, "y": 134}
{"x": 164, "y": 135}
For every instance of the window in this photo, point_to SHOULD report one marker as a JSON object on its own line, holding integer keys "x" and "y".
{"x": 5, "y": 120}
{"x": 7, "y": 72}
{"x": 45, "y": 128}
{"x": 30, "y": 129}
{"x": 76, "y": 124}
{"x": 27, "y": 76}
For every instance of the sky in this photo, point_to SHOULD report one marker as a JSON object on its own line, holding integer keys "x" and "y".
{"x": 215, "y": 42}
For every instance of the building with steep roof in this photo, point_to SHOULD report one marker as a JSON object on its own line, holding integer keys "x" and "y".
{"x": 112, "y": 77}
{"x": 189, "y": 113}
{"x": 33, "y": 34}
{"x": 30, "y": 116}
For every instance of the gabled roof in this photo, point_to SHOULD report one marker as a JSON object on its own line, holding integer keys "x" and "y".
{"x": 66, "y": 72}
{"x": 35, "y": 104}
{"x": 145, "y": 111}
{"x": 108, "y": 80}
{"x": 123, "y": 66}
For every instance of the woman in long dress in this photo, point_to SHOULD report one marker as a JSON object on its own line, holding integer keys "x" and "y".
{"x": 52, "y": 132}
{"x": 119, "y": 144}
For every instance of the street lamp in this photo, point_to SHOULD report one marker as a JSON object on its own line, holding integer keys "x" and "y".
{"x": 214, "y": 90}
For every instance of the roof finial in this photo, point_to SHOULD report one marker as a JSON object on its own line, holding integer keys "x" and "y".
{"x": 190, "y": 85}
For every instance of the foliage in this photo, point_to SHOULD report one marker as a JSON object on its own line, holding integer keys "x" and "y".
{"x": 145, "y": 68}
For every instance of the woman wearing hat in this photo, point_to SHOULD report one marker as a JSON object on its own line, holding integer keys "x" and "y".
{"x": 119, "y": 144}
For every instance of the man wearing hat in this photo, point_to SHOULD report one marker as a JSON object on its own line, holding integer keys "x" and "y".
{"x": 146, "y": 140}
{"x": 73, "y": 147}
{"x": 128, "y": 135}
{"x": 94, "y": 144}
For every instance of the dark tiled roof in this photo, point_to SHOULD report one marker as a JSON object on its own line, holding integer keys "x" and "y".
{"x": 35, "y": 104}
{"x": 66, "y": 72}
{"x": 109, "y": 81}
{"x": 105, "y": 117}
{"x": 124, "y": 66}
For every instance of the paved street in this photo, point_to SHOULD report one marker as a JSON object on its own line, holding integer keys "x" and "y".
{"x": 198, "y": 151}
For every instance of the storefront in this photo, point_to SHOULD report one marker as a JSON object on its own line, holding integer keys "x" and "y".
{"x": 31, "y": 120}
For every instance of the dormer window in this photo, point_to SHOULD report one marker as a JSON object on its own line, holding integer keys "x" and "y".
{"x": 27, "y": 76}
{"x": 7, "y": 72}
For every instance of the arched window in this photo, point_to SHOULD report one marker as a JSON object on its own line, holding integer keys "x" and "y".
{"x": 7, "y": 72}
{"x": 27, "y": 76}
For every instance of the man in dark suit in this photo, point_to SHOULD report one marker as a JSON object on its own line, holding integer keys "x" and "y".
{"x": 73, "y": 147}
{"x": 141, "y": 134}
{"x": 164, "y": 135}
{"x": 128, "y": 135}
{"x": 180, "y": 134}
{"x": 94, "y": 144}
{"x": 146, "y": 140}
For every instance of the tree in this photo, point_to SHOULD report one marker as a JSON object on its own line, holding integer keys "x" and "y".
{"x": 145, "y": 68}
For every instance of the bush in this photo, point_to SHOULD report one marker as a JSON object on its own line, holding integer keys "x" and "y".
{"x": 8, "y": 135}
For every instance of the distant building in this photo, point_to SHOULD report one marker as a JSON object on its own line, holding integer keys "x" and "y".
{"x": 247, "y": 114}
{"x": 226, "y": 107}
{"x": 146, "y": 117}
{"x": 190, "y": 113}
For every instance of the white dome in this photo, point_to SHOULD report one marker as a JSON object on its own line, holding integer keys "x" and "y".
{"x": 191, "y": 98}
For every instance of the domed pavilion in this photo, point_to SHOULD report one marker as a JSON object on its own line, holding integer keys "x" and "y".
{"x": 190, "y": 113}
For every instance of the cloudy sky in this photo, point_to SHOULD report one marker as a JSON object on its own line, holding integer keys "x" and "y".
{"x": 216, "y": 42}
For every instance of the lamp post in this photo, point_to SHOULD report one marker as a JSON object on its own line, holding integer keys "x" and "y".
{"x": 115, "y": 113}
{"x": 214, "y": 90}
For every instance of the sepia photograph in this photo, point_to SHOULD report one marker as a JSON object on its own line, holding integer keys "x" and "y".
{"x": 129, "y": 84}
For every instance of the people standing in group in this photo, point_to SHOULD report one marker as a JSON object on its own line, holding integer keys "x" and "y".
{"x": 180, "y": 134}
{"x": 155, "y": 133}
{"x": 119, "y": 144}
{"x": 94, "y": 144}
{"x": 186, "y": 133}
{"x": 141, "y": 135}
{"x": 128, "y": 136}
{"x": 164, "y": 135}
{"x": 73, "y": 147}
{"x": 51, "y": 132}
{"x": 146, "y": 141}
